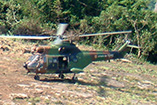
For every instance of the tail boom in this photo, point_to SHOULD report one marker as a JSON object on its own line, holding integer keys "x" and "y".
{"x": 104, "y": 55}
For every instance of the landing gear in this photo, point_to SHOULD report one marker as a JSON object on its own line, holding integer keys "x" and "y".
{"x": 74, "y": 78}
{"x": 36, "y": 77}
{"x": 61, "y": 76}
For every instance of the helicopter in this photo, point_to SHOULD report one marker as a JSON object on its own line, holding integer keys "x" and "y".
{"x": 63, "y": 56}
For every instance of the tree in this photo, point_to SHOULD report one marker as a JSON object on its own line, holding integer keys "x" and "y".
{"x": 130, "y": 15}
{"x": 85, "y": 16}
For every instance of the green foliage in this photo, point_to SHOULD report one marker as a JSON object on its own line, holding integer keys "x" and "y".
{"x": 90, "y": 16}
{"x": 27, "y": 27}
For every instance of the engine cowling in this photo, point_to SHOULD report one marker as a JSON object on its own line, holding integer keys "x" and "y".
{"x": 40, "y": 50}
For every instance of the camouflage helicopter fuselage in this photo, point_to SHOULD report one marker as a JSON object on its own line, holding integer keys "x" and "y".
{"x": 67, "y": 58}
{"x": 64, "y": 57}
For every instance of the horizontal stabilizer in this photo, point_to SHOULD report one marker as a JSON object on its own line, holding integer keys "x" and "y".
{"x": 134, "y": 46}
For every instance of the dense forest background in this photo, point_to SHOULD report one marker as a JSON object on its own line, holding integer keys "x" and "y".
{"x": 39, "y": 17}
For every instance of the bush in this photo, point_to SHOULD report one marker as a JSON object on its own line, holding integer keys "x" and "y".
{"x": 27, "y": 27}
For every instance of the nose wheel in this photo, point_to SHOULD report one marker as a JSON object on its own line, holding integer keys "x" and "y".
{"x": 36, "y": 77}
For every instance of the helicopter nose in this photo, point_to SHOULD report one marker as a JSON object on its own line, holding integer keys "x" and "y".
{"x": 32, "y": 66}
{"x": 25, "y": 65}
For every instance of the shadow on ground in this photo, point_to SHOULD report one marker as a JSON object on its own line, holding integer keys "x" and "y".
{"x": 70, "y": 81}
{"x": 101, "y": 82}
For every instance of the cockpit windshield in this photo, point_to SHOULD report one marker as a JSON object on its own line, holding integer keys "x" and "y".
{"x": 34, "y": 57}
{"x": 33, "y": 62}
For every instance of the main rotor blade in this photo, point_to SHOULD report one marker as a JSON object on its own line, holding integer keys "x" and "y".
{"x": 61, "y": 28}
{"x": 106, "y": 33}
{"x": 26, "y": 37}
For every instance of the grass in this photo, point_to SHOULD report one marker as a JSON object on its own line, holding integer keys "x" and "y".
{"x": 131, "y": 75}
{"x": 95, "y": 82}
{"x": 34, "y": 100}
{"x": 101, "y": 85}
{"x": 114, "y": 97}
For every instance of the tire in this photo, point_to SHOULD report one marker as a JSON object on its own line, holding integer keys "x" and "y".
{"x": 36, "y": 77}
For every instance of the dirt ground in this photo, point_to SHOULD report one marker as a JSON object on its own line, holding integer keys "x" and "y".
{"x": 114, "y": 82}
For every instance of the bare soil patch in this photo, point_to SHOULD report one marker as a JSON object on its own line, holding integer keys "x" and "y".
{"x": 101, "y": 83}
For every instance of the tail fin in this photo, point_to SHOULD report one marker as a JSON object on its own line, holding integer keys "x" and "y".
{"x": 126, "y": 47}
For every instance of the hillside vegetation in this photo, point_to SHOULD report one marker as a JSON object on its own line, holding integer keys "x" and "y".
{"x": 40, "y": 17}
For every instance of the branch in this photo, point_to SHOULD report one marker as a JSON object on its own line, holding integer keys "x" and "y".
{"x": 14, "y": 16}
{"x": 82, "y": 3}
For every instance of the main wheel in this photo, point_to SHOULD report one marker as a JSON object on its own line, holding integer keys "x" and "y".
{"x": 61, "y": 76}
{"x": 36, "y": 77}
{"x": 74, "y": 78}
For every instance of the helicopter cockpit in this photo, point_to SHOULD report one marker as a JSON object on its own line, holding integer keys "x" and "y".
{"x": 34, "y": 62}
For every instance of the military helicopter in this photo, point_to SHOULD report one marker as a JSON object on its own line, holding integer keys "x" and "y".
{"x": 64, "y": 57}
